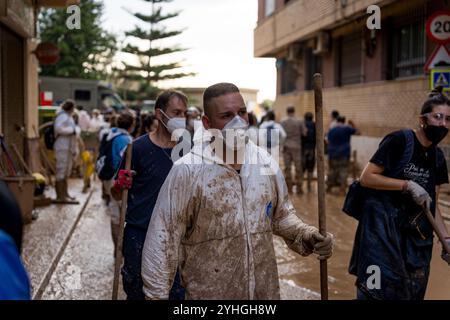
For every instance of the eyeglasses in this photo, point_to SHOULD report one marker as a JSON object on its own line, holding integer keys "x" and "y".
{"x": 438, "y": 118}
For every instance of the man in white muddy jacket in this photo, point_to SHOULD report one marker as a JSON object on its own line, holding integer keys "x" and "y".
{"x": 214, "y": 218}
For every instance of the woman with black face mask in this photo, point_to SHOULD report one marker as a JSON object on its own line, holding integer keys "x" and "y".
{"x": 393, "y": 243}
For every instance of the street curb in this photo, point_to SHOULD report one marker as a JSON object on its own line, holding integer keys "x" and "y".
{"x": 51, "y": 269}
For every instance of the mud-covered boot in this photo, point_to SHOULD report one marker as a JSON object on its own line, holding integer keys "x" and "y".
{"x": 71, "y": 200}
{"x": 86, "y": 185}
{"x": 60, "y": 194}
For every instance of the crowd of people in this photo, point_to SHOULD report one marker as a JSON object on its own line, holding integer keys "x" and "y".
{"x": 199, "y": 226}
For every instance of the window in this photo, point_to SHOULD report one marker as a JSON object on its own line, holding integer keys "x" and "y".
{"x": 82, "y": 95}
{"x": 111, "y": 101}
{"x": 269, "y": 7}
{"x": 409, "y": 54}
{"x": 350, "y": 59}
{"x": 288, "y": 76}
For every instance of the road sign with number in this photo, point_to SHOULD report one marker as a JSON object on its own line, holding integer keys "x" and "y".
{"x": 438, "y": 27}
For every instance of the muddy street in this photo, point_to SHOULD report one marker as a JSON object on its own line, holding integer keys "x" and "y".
{"x": 68, "y": 252}
{"x": 303, "y": 273}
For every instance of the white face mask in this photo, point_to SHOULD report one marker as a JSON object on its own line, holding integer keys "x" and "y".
{"x": 237, "y": 127}
{"x": 174, "y": 123}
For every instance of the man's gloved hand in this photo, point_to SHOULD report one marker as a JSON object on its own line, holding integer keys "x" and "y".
{"x": 419, "y": 194}
{"x": 124, "y": 179}
{"x": 320, "y": 245}
{"x": 446, "y": 256}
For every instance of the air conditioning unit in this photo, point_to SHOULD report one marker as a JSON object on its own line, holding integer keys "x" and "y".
{"x": 322, "y": 43}
{"x": 294, "y": 52}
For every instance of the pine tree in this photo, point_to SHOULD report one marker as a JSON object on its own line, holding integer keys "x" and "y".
{"x": 146, "y": 73}
{"x": 85, "y": 53}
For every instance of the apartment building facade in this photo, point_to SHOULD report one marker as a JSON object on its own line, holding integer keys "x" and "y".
{"x": 374, "y": 77}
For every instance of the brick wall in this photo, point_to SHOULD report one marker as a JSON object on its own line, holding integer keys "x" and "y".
{"x": 377, "y": 108}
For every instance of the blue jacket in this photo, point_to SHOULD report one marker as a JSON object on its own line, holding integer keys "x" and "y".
{"x": 14, "y": 282}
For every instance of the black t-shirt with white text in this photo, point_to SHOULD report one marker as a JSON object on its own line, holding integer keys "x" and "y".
{"x": 423, "y": 168}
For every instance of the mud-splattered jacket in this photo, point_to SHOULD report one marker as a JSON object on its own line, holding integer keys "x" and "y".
{"x": 216, "y": 225}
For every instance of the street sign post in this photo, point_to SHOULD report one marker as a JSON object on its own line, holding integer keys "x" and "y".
{"x": 438, "y": 27}
{"x": 440, "y": 77}
{"x": 47, "y": 53}
{"x": 440, "y": 58}
{"x": 438, "y": 30}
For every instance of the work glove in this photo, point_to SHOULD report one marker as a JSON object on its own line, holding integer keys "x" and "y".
{"x": 446, "y": 256}
{"x": 419, "y": 194}
{"x": 317, "y": 243}
{"x": 124, "y": 179}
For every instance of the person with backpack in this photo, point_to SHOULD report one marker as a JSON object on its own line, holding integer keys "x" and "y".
{"x": 65, "y": 147}
{"x": 110, "y": 155}
{"x": 216, "y": 215}
{"x": 274, "y": 134}
{"x": 151, "y": 162}
{"x": 309, "y": 148}
{"x": 295, "y": 130}
{"x": 112, "y": 123}
{"x": 399, "y": 183}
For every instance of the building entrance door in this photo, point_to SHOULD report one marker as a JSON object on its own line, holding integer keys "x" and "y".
{"x": 12, "y": 75}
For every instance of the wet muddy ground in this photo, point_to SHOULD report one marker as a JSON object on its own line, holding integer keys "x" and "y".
{"x": 304, "y": 272}
{"x": 84, "y": 269}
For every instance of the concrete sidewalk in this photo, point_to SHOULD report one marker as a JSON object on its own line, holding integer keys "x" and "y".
{"x": 85, "y": 270}
{"x": 45, "y": 238}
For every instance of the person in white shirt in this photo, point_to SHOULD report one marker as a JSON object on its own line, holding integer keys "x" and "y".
{"x": 65, "y": 149}
{"x": 274, "y": 135}
{"x": 84, "y": 119}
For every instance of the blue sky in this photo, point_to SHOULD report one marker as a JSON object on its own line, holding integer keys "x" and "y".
{"x": 219, "y": 35}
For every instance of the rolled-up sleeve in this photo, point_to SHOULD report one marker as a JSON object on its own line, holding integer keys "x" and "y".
{"x": 166, "y": 229}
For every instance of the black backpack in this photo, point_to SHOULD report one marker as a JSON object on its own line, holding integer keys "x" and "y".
{"x": 269, "y": 136}
{"x": 104, "y": 165}
{"x": 49, "y": 137}
{"x": 356, "y": 195}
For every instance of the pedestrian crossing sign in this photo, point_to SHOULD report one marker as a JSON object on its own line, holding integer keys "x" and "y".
{"x": 440, "y": 77}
